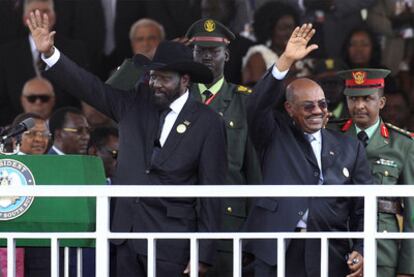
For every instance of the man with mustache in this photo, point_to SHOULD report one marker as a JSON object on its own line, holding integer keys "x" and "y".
{"x": 390, "y": 152}
{"x": 165, "y": 138}
{"x": 296, "y": 149}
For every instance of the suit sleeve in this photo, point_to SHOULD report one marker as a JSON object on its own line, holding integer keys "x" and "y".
{"x": 361, "y": 176}
{"x": 89, "y": 88}
{"x": 268, "y": 93}
{"x": 212, "y": 171}
{"x": 406, "y": 254}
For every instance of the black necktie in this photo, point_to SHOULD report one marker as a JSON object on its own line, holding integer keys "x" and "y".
{"x": 163, "y": 115}
{"x": 207, "y": 94}
{"x": 363, "y": 137}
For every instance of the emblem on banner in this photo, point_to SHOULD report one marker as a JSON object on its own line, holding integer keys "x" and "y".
{"x": 14, "y": 174}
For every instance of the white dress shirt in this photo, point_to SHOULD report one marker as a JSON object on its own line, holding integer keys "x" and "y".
{"x": 176, "y": 106}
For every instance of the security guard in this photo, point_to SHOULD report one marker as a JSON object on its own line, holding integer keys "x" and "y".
{"x": 210, "y": 39}
{"x": 390, "y": 151}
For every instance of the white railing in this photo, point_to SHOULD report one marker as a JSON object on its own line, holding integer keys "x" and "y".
{"x": 102, "y": 233}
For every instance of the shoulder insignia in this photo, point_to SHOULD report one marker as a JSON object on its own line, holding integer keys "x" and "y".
{"x": 384, "y": 131}
{"x": 243, "y": 89}
{"x": 399, "y": 130}
{"x": 346, "y": 126}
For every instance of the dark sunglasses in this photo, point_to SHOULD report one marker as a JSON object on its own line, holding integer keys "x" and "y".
{"x": 309, "y": 106}
{"x": 41, "y": 97}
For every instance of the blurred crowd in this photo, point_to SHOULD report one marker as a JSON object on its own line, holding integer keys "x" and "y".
{"x": 350, "y": 34}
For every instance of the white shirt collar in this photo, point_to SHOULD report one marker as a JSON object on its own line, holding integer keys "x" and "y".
{"x": 178, "y": 104}
{"x": 59, "y": 152}
{"x": 317, "y": 135}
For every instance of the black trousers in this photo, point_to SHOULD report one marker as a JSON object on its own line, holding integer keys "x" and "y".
{"x": 129, "y": 263}
{"x": 294, "y": 263}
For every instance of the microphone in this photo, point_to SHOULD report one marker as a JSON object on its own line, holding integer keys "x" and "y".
{"x": 23, "y": 126}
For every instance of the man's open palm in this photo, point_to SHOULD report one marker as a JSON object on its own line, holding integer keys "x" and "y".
{"x": 296, "y": 48}
{"x": 39, "y": 27}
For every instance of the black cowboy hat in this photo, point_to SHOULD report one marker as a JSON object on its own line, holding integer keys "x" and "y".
{"x": 174, "y": 56}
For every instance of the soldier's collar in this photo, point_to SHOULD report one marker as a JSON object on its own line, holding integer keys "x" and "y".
{"x": 371, "y": 130}
{"x": 213, "y": 89}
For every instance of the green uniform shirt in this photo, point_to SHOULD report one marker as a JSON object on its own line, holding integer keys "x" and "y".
{"x": 390, "y": 153}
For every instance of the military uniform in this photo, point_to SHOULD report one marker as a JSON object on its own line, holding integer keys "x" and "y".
{"x": 229, "y": 101}
{"x": 390, "y": 152}
{"x": 126, "y": 75}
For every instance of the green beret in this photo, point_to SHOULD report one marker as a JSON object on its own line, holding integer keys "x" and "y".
{"x": 363, "y": 81}
{"x": 209, "y": 32}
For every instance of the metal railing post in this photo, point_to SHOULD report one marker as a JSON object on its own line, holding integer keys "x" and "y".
{"x": 324, "y": 257}
{"x": 281, "y": 252}
{"x": 237, "y": 257}
{"x": 11, "y": 257}
{"x": 193, "y": 257}
{"x": 370, "y": 232}
{"x": 152, "y": 262}
{"x": 101, "y": 242}
{"x": 54, "y": 257}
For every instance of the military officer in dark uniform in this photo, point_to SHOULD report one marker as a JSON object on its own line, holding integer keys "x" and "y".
{"x": 210, "y": 39}
{"x": 390, "y": 152}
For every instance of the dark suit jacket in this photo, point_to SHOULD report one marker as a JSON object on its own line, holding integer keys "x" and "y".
{"x": 287, "y": 158}
{"x": 16, "y": 67}
{"x": 197, "y": 156}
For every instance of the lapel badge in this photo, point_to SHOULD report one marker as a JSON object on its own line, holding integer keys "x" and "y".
{"x": 345, "y": 171}
{"x": 331, "y": 153}
{"x": 187, "y": 123}
{"x": 181, "y": 128}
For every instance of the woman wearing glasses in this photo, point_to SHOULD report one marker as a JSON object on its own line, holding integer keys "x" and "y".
{"x": 36, "y": 140}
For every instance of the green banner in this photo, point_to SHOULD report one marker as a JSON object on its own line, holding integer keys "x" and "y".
{"x": 50, "y": 214}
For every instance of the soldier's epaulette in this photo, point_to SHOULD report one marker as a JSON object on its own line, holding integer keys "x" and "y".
{"x": 243, "y": 90}
{"x": 399, "y": 130}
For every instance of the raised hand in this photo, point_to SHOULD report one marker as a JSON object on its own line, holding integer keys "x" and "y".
{"x": 40, "y": 29}
{"x": 297, "y": 47}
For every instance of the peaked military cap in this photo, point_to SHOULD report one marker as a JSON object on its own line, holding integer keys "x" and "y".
{"x": 363, "y": 81}
{"x": 209, "y": 32}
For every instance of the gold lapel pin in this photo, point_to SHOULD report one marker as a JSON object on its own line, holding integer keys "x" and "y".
{"x": 181, "y": 128}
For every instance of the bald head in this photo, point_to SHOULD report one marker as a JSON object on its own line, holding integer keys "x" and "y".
{"x": 38, "y": 97}
{"x": 301, "y": 87}
{"x": 306, "y": 104}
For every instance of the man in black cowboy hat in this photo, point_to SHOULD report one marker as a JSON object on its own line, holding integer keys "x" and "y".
{"x": 166, "y": 138}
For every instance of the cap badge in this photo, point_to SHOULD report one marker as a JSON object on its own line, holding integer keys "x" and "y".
{"x": 209, "y": 25}
{"x": 359, "y": 77}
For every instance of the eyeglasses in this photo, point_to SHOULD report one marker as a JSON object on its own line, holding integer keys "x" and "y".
{"x": 42, "y": 97}
{"x": 309, "y": 106}
{"x": 32, "y": 134}
{"x": 79, "y": 131}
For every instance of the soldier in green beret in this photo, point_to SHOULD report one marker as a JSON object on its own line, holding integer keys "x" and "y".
{"x": 390, "y": 151}
{"x": 210, "y": 39}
